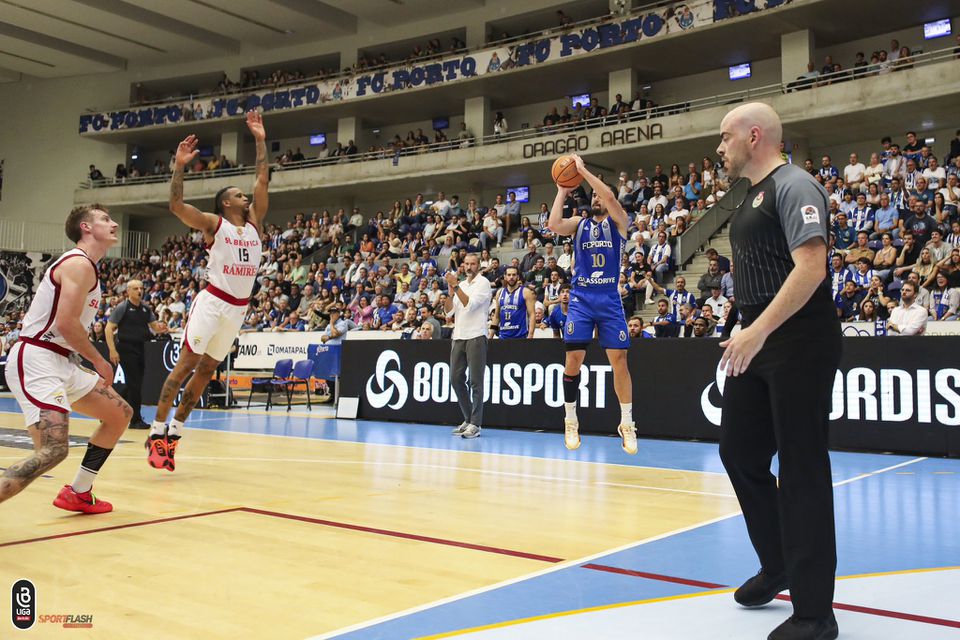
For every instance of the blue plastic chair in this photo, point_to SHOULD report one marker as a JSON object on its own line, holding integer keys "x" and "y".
{"x": 281, "y": 371}
{"x": 300, "y": 375}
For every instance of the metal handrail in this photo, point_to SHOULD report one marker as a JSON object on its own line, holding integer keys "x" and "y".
{"x": 696, "y": 104}
{"x": 347, "y": 73}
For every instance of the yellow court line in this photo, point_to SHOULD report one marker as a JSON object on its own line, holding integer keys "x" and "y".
{"x": 499, "y": 625}
{"x": 880, "y": 574}
{"x": 561, "y": 614}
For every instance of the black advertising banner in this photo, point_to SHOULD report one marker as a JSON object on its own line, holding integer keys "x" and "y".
{"x": 890, "y": 394}
{"x": 160, "y": 356}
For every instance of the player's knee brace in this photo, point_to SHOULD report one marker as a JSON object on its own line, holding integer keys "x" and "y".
{"x": 571, "y": 387}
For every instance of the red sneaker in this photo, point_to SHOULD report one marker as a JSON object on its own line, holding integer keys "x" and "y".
{"x": 169, "y": 464}
{"x": 70, "y": 500}
{"x": 156, "y": 452}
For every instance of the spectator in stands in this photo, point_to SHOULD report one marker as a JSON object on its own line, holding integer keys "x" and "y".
{"x": 922, "y": 268}
{"x": 659, "y": 258}
{"x": 943, "y": 299}
{"x": 665, "y": 323}
{"x": 848, "y": 301}
{"x": 844, "y": 234}
{"x": 861, "y": 215}
{"x": 909, "y": 318}
{"x": 677, "y": 297}
{"x": 920, "y": 224}
{"x": 939, "y": 250}
{"x": 839, "y": 274}
{"x": 886, "y": 219}
{"x": 715, "y": 301}
{"x": 860, "y": 250}
{"x": 885, "y": 258}
{"x": 711, "y": 279}
{"x": 827, "y": 172}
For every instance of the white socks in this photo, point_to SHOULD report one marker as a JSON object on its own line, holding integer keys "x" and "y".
{"x": 84, "y": 480}
{"x": 626, "y": 413}
{"x": 158, "y": 429}
{"x": 570, "y": 408}
{"x": 175, "y": 429}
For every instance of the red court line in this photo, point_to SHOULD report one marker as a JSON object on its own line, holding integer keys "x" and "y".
{"x": 478, "y": 547}
{"x": 652, "y": 576}
{"x": 406, "y": 536}
{"x": 899, "y": 615}
{"x": 118, "y": 526}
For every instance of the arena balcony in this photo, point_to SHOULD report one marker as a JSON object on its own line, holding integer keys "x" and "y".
{"x": 850, "y": 108}
{"x": 606, "y": 54}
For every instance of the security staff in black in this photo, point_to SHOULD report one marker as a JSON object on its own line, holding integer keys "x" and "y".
{"x": 780, "y": 367}
{"x": 127, "y": 330}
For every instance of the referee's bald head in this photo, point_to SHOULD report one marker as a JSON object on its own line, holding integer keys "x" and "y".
{"x": 750, "y": 136}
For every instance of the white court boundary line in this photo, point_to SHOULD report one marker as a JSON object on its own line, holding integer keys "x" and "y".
{"x": 407, "y": 446}
{"x": 531, "y": 476}
{"x": 572, "y": 563}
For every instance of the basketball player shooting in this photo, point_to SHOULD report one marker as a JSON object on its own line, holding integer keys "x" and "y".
{"x": 594, "y": 301}
{"x": 232, "y": 237}
{"x": 46, "y": 381}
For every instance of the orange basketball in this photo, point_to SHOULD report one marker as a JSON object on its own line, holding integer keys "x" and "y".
{"x": 565, "y": 172}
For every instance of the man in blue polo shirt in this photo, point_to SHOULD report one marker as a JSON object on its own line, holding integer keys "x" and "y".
{"x": 886, "y": 219}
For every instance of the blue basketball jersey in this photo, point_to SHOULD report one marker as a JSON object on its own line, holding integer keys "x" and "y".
{"x": 513, "y": 313}
{"x": 598, "y": 252}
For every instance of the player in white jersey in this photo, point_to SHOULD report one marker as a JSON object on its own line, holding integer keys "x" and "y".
{"x": 45, "y": 380}
{"x": 232, "y": 237}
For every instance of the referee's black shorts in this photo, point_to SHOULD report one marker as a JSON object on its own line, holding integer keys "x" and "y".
{"x": 782, "y": 405}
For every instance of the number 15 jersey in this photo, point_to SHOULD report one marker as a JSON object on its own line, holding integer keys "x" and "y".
{"x": 234, "y": 258}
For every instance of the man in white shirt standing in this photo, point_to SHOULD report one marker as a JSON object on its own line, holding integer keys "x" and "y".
{"x": 469, "y": 303}
{"x": 909, "y": 319}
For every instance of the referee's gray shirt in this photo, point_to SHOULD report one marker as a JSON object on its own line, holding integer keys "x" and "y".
{"x": 779, "y": 214}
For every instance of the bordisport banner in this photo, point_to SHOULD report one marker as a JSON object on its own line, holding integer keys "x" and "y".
{"x": 890, "y": 394}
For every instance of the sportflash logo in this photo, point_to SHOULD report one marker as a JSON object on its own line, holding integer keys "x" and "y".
{"x": 887, "y": 395}
{"x": 510, "y": 384}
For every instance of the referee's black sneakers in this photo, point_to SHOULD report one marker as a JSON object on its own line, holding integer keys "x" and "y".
{"x": 760, "y": 589}
{"x": 794, "y": 628}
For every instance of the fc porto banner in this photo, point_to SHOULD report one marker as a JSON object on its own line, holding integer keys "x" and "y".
{"x": 617, "y": 32}
{"x": 889, "y": 394}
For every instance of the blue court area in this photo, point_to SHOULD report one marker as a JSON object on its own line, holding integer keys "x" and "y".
{"x": 898, "y": 530}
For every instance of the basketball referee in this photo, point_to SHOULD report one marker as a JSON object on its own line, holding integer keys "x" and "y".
{"x": 128, "y": 329}
{"x": 780, "y": 369}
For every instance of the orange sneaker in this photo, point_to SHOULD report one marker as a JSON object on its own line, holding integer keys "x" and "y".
{"x": 170, "y": 464}
{"x": 70, "y": 500}
{"x": 156, "y": 452}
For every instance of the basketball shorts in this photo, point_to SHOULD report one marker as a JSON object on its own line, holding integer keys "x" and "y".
{"x": 600, "y": 309}
{"x": 43, "y": 380}
{"x": 212, "y": 326}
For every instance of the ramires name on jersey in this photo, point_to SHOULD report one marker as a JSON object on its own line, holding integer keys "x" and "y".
{"x": 240, "y": 270}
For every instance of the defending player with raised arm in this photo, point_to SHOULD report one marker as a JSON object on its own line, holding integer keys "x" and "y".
{"x": 232, "y": 238}
{"x": 595, "y": 302}
{"x": 48, "y": 385}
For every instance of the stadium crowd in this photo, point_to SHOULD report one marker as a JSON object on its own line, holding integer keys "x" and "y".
{"x": 894, "y": 244}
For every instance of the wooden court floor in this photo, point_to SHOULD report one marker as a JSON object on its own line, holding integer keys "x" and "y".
{"x": 258, "y": 536}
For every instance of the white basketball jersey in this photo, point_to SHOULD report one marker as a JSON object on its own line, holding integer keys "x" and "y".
{"x": 234, "y": 258}
{"x": 38, "y": 323}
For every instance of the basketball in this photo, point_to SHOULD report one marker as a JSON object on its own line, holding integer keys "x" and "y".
{"x": 565, "y": 172}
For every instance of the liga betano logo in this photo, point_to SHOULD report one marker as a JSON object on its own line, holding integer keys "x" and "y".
{"x": 811, "y": 215}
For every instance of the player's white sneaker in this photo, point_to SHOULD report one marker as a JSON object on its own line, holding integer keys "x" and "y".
{"x": 628, "y": 435}
{"x": 571, "y": 434}
{"x": 471, "y": 431}
{"x": 459, "y": 430}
